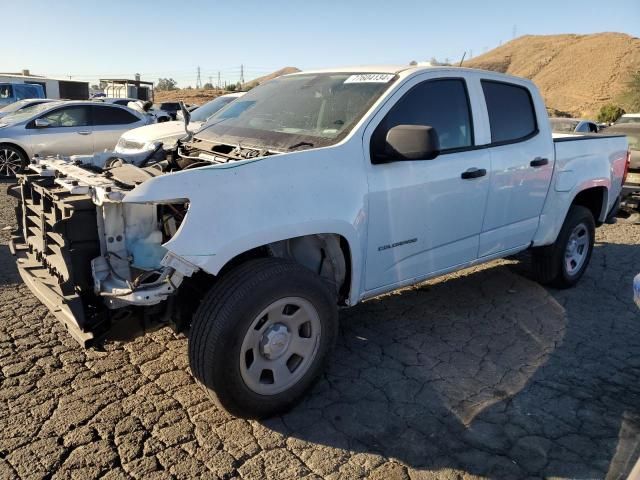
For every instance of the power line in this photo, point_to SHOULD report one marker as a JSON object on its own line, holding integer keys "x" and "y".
{"x": 198, "y": 80}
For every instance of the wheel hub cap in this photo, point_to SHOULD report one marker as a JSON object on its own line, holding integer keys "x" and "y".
{"x": 275, "y": 341}
{"x": 280, "y": 345}
{"x": 10, "y": 162}
{"x": 577, "y": 249}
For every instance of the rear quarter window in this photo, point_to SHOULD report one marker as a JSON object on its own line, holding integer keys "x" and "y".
{"x": 512, "y": 116}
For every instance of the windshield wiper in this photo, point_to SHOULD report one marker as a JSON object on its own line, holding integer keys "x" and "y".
{"x": 300, "y": 144}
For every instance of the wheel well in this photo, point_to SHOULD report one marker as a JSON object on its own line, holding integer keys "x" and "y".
{"x": 17, "y": 147}
{"x": 327, "y": 254}
{"x": 593, "y": 199}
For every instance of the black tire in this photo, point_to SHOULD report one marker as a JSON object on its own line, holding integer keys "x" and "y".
{"x": 12, "y": 161}
{"x": 224, "y": 318}
{"x": 549, "y": 262}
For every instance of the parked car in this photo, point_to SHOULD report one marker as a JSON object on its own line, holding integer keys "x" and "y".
{"x": 65, "y": 128}
{"x": 573, "y": 125}
{"x": 21, "y": 104}
{"x": 171, "y": 108}
{"x": 13, "y": 92}
{"x": 632, "y": 184}
{"x": 118, "y": 101}
{"x": 628, "y": 118}
{"x": 144, "y": 139}
{"x": 313, "y": 191}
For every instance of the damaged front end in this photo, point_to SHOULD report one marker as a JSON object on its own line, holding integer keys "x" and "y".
{"x": 96, "y": 262}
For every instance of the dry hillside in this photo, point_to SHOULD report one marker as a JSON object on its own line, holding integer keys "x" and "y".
{"x": 200, "y": 96}
{"x": 575, "y": 73}
{"x": 190, "y": 96}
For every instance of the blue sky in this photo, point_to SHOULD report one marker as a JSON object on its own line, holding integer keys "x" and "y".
{"x": 88, "y": 39}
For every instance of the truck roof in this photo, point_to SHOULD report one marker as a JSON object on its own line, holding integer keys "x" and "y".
{"x": 404, "y": 69}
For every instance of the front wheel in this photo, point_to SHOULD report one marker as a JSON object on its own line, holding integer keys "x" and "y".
{"x": 261, "y": 336}
{"x": 564, "y": 262}
{"x": 12, "y": 161}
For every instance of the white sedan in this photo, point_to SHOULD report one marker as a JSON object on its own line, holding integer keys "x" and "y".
{"x": 144, "y": 139}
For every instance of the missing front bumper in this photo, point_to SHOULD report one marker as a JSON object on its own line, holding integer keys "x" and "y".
{"x": 54, "y": 243}
{"x": 76, "y": 245}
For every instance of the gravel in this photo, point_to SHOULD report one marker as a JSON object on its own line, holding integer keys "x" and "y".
{"x": 483, "y": 373}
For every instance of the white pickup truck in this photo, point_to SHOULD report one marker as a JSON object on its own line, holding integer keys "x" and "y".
{"x": 314, "y": 191}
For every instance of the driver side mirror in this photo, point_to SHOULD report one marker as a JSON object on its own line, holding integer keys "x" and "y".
{"x": 42, "y": 123}
{"x": 411, "y": 142}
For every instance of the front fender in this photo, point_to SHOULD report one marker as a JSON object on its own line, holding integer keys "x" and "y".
{"x": 239, "y": 206}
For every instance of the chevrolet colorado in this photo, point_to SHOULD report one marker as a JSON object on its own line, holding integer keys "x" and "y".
{"x": 314, "y": 191}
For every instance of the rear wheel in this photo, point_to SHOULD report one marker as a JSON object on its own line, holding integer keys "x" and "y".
{"x": 261, "y": 336}
{"x": 564, "y": 262}
{"x": 12, "y": 161}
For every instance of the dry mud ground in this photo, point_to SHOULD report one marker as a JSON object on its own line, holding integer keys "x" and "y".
{"x": 486, "y": 374}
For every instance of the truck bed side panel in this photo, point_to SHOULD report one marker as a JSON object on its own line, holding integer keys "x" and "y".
{"x": 581, "y": 163}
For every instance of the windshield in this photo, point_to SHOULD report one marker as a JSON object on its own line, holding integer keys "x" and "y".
{"x": 628, "y": 120}
{"x": 300, "y": 110}
{"x": 204, "y": 112}
{"x": 27, "y": 112}
{"x": 15, "y": 106}
{"x": 12, "y": 107}
{"x": 560, "y": 125}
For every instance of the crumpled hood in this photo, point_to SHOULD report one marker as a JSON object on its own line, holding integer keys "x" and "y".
{"x": 159, "y": 132}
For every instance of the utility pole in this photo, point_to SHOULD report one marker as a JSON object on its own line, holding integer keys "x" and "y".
{"x": 198, "y": 80}
{"x": 219, "y": 84}
{"x": 242, "y": 74}
{"x": 210, "y": 80}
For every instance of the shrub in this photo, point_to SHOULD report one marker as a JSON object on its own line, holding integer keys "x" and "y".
{"x": 610, "y": 113}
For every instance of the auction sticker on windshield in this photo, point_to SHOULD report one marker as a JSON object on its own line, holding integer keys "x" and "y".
{"x": 370, "y": 78}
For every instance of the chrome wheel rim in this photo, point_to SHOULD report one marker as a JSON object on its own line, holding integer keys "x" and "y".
{"x": 280, "y": 345}
{"x": 577, "y": 249}
{"x": 10, "y": 162}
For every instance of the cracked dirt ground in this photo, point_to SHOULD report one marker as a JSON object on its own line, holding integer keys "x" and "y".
{"x": 486, "y": 374}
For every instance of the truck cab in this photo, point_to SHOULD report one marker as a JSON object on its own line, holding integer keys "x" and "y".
{"x": 12, "y": 92}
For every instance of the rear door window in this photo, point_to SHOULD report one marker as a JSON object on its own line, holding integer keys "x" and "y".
{"x": 106, "y": 115}
{"x": 512, "y": 117}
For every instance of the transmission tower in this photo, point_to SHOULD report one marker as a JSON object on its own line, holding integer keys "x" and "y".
{"x": 199, "y": 80}
{"x": 241, "y": 74}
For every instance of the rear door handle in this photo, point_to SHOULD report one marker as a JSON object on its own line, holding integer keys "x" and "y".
{"x": 473, "y": 173}
{"x": 539, "y": 162}
{"x": 84, "y": 132}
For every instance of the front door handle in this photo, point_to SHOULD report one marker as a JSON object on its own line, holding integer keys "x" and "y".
{"x": 539, "y": 162}
{"x": 84, "y": 132}
{"x": 473, "y": 173}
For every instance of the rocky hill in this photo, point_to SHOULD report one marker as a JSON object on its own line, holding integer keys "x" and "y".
{"x": 575, "y": 73}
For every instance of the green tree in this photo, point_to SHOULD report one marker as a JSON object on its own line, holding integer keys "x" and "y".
{"x": 610, "y": 113}
{"x": 208, "y": 86}
{"x": 166, "y": 84}
{"x": 231, "y": 87}
{"x": 631, "y": 97}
